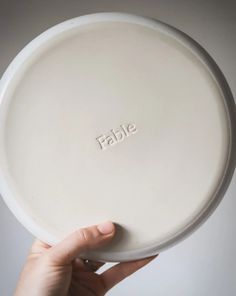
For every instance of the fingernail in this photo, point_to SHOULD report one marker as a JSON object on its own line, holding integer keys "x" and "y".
{"x": 106, "y": 227}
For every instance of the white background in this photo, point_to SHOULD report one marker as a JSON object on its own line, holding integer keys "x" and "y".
{"x": 205, "y": 263}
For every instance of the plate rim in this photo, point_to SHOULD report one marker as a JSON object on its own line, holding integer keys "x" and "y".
{"x": 202, "y": 54}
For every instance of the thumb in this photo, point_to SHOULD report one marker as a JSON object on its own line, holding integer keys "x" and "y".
{"x": 81, "y": 240}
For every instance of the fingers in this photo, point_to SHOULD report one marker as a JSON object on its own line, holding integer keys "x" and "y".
{"x": 87, "y": 265}
{"x": 119, "y": 272}
{"x": 38, "y": 247}
{"x": 81, "y": 240}
{"x": 92, "y": 266}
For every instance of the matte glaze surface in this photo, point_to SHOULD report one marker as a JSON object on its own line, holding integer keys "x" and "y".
{"x": 118, "y": 120}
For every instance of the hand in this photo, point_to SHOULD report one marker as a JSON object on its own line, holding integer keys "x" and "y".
{"x": 57, "y": 270}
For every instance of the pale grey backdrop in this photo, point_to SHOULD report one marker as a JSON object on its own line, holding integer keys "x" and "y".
{"x": 205, "y": 263}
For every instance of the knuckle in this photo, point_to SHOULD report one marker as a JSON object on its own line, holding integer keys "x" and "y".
{"x": 84, "y": 236}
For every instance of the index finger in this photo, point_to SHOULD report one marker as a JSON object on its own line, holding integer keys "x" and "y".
{"x": 122, "y": 270}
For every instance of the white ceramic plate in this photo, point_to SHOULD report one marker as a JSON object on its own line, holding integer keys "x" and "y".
{"x": 118, "y": 117}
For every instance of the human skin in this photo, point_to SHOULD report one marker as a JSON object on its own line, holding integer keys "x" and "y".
{"x": 58, "y": 270}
